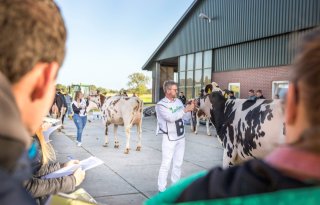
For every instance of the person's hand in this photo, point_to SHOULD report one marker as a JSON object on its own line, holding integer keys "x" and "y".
{"x": 79, "y": 174}
{"x": 189, "y": 107}
{"x": 71, "y": 162}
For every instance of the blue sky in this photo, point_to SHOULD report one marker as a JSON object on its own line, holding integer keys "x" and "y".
{"x": 110, "y": 39}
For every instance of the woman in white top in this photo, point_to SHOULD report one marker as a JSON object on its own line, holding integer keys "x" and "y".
{"x": 79, "y": 106}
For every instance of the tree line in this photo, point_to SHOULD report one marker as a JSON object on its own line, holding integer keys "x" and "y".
{"x": 137, "y": 83}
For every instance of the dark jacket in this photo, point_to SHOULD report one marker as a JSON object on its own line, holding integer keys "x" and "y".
{"x": 14, "y": 142}
{"x": 183, "y": 99}
{"x": 253, "y": 177}
{"x": 60, "y": 100}
{"x": 261, "y": 97}
{"x": 11, "y": 191}
{"x": 41, "y": 188}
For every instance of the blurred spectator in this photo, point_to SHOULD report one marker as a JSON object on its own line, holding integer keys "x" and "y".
{"x": 79, "y": 105}
{"x": 231, "y": 95}
{"x": 182, "y": 98}
{"x": 44, "y": 163}
{"x": 251, "y": 95}
{"x": 201, "y": 95}
{"x": 259, "y": 94}
{"x": 61, "y": 103}
{"x": 32, "y": 47}
{"x": 68, "y": 100}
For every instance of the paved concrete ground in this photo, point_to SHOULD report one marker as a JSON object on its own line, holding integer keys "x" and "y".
{"x": 131, "y": 178}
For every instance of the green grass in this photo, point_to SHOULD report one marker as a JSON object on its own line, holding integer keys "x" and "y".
{"x": 147, "y": 98}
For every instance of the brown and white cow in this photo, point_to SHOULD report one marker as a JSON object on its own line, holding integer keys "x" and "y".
{"x": 247, "y": 129}
{"x": 200, "y": 111}
{"x": 199, "y": 114}
{"x": 123, "y": 111}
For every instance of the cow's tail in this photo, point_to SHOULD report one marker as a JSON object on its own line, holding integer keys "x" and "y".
{"x": 140, "y": 110}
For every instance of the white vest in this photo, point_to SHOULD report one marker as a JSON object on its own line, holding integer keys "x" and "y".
{"x": 169, "y": 115}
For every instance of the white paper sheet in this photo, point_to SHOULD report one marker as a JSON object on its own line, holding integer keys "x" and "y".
{"x": 85, "y": 164}
{"x": 90, "y": 163}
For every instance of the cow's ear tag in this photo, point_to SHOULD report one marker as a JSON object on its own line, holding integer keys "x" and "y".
{"x": 209, "y": 91}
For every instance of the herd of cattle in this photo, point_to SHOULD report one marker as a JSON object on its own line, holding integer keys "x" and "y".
{"x": 246, "y": 129}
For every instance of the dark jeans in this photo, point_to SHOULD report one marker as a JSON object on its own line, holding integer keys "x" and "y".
{"x": 80, "y": 122}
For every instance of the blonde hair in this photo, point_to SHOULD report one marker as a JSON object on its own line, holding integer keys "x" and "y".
{"x": 48, "y": 153}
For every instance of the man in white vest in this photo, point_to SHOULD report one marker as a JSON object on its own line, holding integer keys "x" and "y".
{"x": 170, "y": 111}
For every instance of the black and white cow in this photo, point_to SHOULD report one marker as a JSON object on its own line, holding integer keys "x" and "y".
{"x": 247, "y": 129}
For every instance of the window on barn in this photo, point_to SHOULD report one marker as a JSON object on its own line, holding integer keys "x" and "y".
{"x": 235, "y": 87}
{"x": 279, "y": 88}
{"x": 190, "y": 77}
{"x": 182, "y": 63}
{"x": 182, "y": 73}
{"x": 198, "y": 73}
{"x": 207, "y": 67}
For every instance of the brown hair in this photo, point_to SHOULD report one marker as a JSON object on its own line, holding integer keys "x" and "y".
{"x": 306, "y": 77}
{"x": 31, "y": 31}
{"x": 76, "y": 96}
{"x": 306, "y": 73}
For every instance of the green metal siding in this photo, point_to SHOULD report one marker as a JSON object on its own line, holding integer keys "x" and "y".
{"x": 274, "y": 51}
{"x": 238, "y": 21}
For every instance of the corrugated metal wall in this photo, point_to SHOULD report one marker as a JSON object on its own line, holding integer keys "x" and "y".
{"x": 239, "y": 21}
{"x": 267, "y": 52}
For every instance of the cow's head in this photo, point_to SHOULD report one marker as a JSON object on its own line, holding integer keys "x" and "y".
{"x": 95, "y": 99}
{"x": 213, "y": 87}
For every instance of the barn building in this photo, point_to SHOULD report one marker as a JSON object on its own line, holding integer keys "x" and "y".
{"x": 241, "y": 44}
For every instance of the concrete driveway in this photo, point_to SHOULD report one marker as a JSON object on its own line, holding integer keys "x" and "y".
{"x": 131, "y": 178}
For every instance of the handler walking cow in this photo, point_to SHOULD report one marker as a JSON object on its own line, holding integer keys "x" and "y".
{"x": 170, "y": 111}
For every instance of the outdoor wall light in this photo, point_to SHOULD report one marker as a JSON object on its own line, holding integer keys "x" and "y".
{"x": 204, "y": 16}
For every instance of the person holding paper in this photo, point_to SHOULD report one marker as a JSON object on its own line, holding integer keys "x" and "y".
{"x": 39, "y": 187}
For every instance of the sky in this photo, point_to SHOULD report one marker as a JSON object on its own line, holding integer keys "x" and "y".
{"x": 110, "y": 39}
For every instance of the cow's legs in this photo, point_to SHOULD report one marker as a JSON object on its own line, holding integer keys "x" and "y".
{"x": 229, "y": 157}
{"x": 127, "y": 129}
{"x": 139, "y": 130}
{"x": 208, "y": 127}
{"x": 197, "y": 125}
{"x": 106, "y": 141}
{"x": 115, "y": 132}
{"x": 191, "y": 122}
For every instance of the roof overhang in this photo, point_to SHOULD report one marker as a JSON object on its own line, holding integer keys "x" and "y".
{"x": 150, "y": 62}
